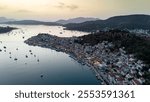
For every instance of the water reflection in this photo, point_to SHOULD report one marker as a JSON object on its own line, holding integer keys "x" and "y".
{"x": 23, "y": 64}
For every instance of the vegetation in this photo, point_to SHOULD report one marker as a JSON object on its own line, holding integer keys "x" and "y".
{"x": 6, "y": 29}
{"x": 139, "y": 46}
{"x": 88, "y": 26}
{"x": 119, "y": 22}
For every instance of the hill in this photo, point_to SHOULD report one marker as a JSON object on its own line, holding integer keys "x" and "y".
{"x": 31, "y": 22}
{"x": 76, "y": 20}
{"x": 118, "y": 22}
{"x": 6, "y": 29}
{"x": 3, "y": 19}
{"x": 133, "y": 44}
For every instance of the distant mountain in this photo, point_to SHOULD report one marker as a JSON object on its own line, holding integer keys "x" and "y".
{"x": 76, "y": 20}
{"x": 3, "y": 19}
{"x": 118, "y": 22}
{"x": 31, "y": 22}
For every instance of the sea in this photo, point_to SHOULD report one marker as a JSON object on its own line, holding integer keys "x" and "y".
{"x": 21, "y": 64}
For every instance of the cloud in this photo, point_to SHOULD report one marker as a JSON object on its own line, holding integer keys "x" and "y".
{"x": 72, "y": 7}
{"x": 23, "y": 11}
{"x": 62, "y": 5}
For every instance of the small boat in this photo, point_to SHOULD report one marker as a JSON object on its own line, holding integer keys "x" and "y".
{"x": 41, "y": 75}
{"x": 5, "y": 47}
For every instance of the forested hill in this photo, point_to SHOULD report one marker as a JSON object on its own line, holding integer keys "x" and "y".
{"x": 6, "y": 29}
{"x": 136, "y": 45}
{"x": 118, "y": 22}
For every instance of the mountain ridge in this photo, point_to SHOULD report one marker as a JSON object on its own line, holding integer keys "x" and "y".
{"x": 31, "y": 22}
{"x": 137, "y": 21}
{"x": 4, "y": 19}
{"x": 77, "y": 20}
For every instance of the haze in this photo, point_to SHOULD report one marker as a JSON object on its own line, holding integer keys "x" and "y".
{"x": 64, "y": 9}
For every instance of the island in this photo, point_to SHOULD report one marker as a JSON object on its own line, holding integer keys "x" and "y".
{"x": 116, "y": 57}
{"x": 6, "y": 29}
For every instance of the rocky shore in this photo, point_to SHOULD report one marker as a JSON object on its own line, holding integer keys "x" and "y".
{"x": 113, "y": 67}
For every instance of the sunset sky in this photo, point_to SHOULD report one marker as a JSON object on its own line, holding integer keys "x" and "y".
{"x": 57, "y": 9}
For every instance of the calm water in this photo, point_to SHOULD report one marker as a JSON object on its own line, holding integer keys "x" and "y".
{"x": 56, "y": 67}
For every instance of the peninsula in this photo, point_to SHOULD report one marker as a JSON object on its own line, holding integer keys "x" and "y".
{"x": 6, "y": 29}
{"x": 114, "y": 56}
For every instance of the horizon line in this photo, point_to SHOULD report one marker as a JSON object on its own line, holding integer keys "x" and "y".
{"x": 48, "y": 20}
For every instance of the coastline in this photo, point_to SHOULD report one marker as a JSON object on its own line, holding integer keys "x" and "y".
{"x": 6, "y": 29}
{"x": 112, "y": 68}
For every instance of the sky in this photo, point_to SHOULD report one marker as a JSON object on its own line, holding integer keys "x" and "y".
{"x": 50, "y": 10}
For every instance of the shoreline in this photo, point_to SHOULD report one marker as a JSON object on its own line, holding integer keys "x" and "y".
{"x": 99, "y": 57}
{"x": 6, "y": 29}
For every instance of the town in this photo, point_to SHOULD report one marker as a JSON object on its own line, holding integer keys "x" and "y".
{"x": 111, "y": 67}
